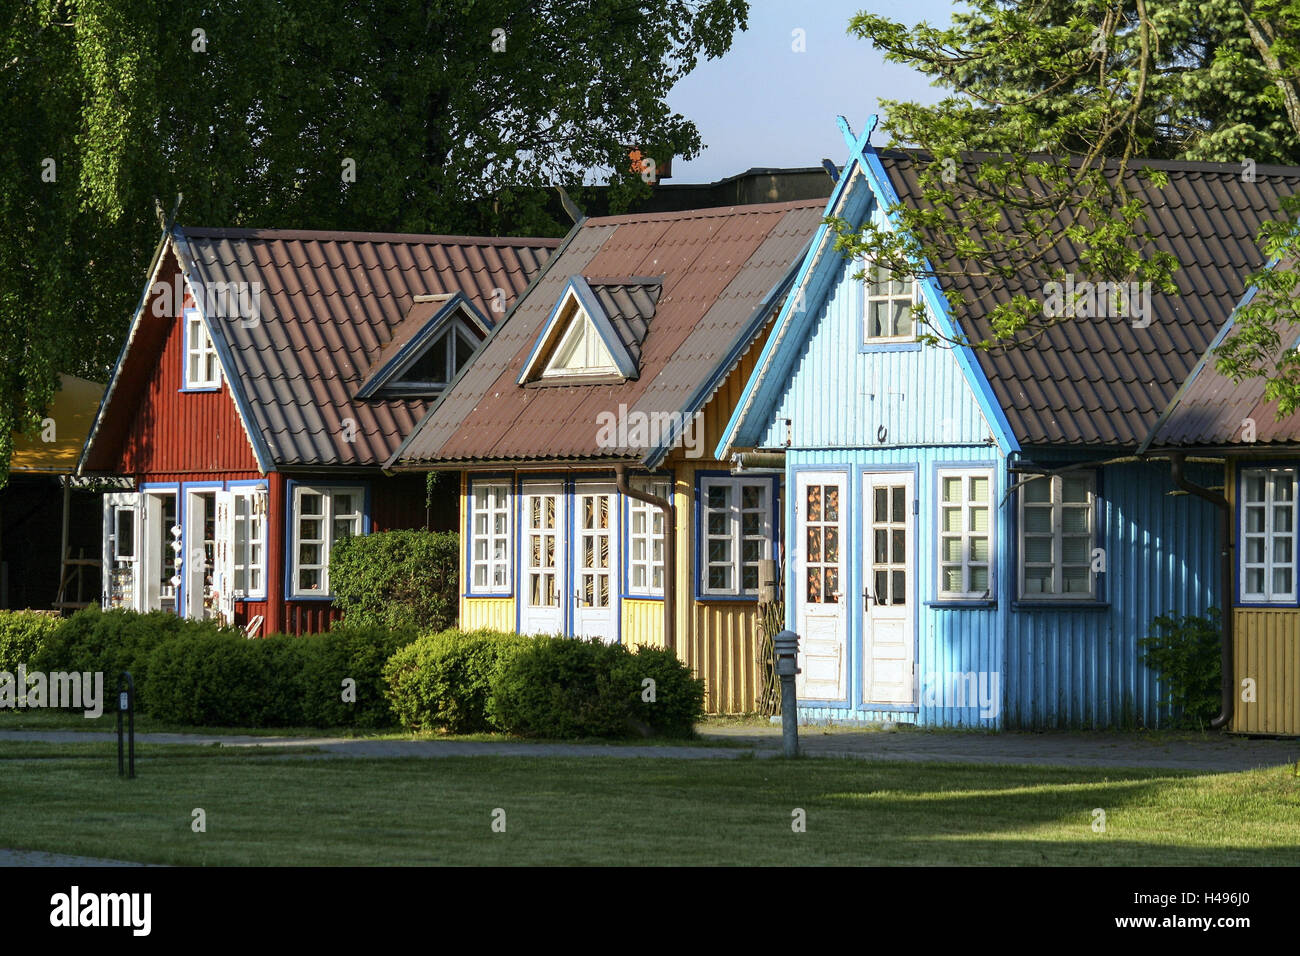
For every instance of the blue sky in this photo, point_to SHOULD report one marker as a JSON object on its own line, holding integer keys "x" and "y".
{"x": 762, "y": 104}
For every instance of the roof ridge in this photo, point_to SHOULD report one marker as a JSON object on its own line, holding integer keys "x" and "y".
{"x": 708, "y": 212}
{"x": 330, "y": 235}
{"x": 1173, "y": 165}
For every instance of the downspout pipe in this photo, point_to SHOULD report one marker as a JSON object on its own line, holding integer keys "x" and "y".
{"x": 1227, "y": 683}
{"x": 670, "y": 550}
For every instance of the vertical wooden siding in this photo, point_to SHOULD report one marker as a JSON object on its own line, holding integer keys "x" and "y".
{"x": 189, "y": 433}
{"x": 1266, "y": 649}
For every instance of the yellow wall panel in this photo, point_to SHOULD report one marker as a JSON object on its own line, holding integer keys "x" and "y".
{"x": 1266, "y": 649}
{"x": 495, "y": 613}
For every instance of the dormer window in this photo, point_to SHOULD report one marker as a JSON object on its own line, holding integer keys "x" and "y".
{"x": 202, "y": 369}
{"x": 435, "y": 368}
{"x": 580, "y": 343}
{"x": 429, "y": 347}
{"x": 581, "y": 351}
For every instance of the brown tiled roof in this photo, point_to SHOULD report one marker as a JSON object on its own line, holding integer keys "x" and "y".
{"x": 331, "y": 303}
{"x": 1103, "y": 381}
{"x": 1210, "y": 409}
{"x": 717, "y": 270}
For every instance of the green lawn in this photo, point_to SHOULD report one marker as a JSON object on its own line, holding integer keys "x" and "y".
{"x": 276, "y": 808}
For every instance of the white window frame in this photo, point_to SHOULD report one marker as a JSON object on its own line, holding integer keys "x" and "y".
{"x": 199, "y": 348}
{"x": 580, "y": 323}
{"x": 249, "y": 549}
{"x": 1057, "y": 536}
{"x": 497, "y": 544}
{"x": 965, "y": 506}
{"x": 647, "y": 538}
{"x": 328, "y": 516}
{"x": 1269, "y": 536}
{"x": 869, "y": 297}
{"x": 733, "y": 534}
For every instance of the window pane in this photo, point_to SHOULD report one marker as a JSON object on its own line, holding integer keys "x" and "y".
{"x": 951, "y": 490}
{"x": 979, "y": 579}
{"x": 1074, "y": 520}
{"x": 1038, "y": 550}
{"x": 1281, "y": 582}
{"x": 979, "y": 519}
{"x": 1255, "y": 520}
{"x": 979, "y": 489}
{"x": 951, "y": 550}
{"x": 952, "y": 519}
{"x": 979, "y": 549}
{"x": 310, "y": 504}
{"x": 1075, "y": 550}
{"x": 1038, "y": 520}
{"x": 1039, "y": 489}
{"x": 1075, "y": 488}
{"x": 1077, "y": 581}
{"x": 952, "y": 579}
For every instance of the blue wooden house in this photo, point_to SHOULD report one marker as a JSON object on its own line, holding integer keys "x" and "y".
{"x": 972, "y": 538}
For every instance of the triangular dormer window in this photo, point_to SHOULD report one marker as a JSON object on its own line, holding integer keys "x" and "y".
{"x": 578, "y": 343}
{"x": 429, "y": 347}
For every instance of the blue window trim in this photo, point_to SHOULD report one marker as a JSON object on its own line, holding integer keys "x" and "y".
{"x": 995, "y": 496}
{"x": 1099, "y": 509}
{"x": 263, "y": 485}
{"x": 289, "y": 546}
{"x": 185, "y": 353}
{"x": 625, "y": 535}
{"x": 774, "y": 525}
{"x": 1240, "y": 466}
{"x": 490, "y": 478}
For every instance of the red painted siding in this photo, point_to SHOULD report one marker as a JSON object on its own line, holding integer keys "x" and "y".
{"x": 183, "y": 433}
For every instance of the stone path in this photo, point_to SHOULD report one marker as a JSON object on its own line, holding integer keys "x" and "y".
{"x": 1212, "y": 752}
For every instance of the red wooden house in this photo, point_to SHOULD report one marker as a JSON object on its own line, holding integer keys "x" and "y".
{"x": 266, "y": 378}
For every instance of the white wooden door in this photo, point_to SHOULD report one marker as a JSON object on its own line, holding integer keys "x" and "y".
{"x": 889, "y": 588}
{"x": 122, "y": 540}
{"x": 595, "y": 562}
{"x": 223, "y": 570}
{"x": 541, "y": 609}
{"x": 199, "y": 553}
{"x": 819, "y": 585}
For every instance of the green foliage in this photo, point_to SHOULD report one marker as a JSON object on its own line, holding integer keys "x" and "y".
{"x": 115, "y": 641}
{"x": 444, "y": 681}
{"x": 253, "y": 124}
{"x": 348, "y": 652}
{"x": 678, "y": 695}
{"x": 560, "y": 687}
{"x": 279, "y": 681}
{"x": 398, "y": 579}
{"x": 1186, "y": 653}
{"x": 22, "y": 635}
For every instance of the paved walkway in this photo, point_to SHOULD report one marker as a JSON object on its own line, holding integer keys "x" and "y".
{"x": 41, "y": 858}
{"x": 1213, "y": 753}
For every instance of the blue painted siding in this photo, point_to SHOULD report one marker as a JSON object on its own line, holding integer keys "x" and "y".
{"x": 1055, "y": 667}
{"x": 1080, "y": 667}
{"x": 840, "y": 396}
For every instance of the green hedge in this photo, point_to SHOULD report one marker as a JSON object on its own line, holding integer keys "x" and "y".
{"x": 444, "y": 681}
{"x": 116, "y": 641}
{"x": 278, "y": 681}
{"x": 397, "y": 579}
{"x": 22, "y": 635}
{"x": 561, "y": 687}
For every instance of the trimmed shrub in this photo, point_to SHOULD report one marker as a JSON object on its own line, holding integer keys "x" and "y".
{"x": 22, "y": 635}
{"x": 116, "y": 641}
{"x": 397, "y": 579}
{"x": 678, "y": 695}
{"x": 278, "y": 681}
{"x": 444, "y": 681}
{"x": 349, "y": 652}
{"x": 564, "y": 687}
{"x": 224, "y": 680}
{"x": 1185, "y": 652}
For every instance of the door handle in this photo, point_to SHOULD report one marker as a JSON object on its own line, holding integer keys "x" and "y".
{"x": 866, "y": 599}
